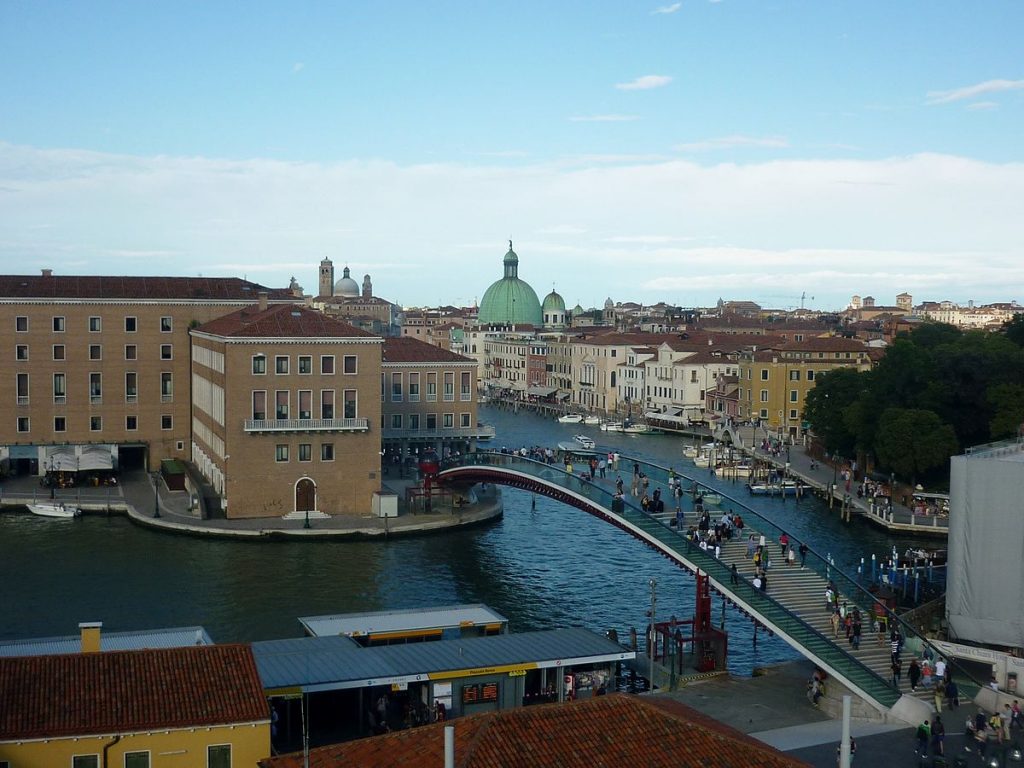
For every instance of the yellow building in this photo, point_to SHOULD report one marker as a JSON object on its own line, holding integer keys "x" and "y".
{"x": 191, "y": 707}
{"x": 774, "y": 383}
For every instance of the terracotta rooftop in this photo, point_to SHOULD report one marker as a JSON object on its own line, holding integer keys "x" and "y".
{"x": 405, "y": 349}
{"x": 120, "y": 287}
{"x": 280, "y": 321}
{"x": 124, "y": 691}
{"x": 605, "y": 730}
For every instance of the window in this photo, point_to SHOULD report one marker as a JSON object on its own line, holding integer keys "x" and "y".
{"x": 414, "y": 421}
{"x": 281, "y": 453}
{"x": 218, "y": 756}
{"x": 95, "y": 388}
{"x": 60, "y": 392}
{"x": 431, "y": 421}
{"x": 764, "y": 395}
{"x": 259, "y": 365}
{"x": 131, "y": 352}
{"x": 792, "y": 413}
{"x": 431, "y": 387}
{"x": 22, "y": 383}
{"x": 165, "y": 325}
{"x": 465, "y": 392}
{"x": 60, "y": 424}
{"x": 327, "y": 404}
{"x": 396, "y": 421}
{"x": 131, "y": 324}
{"x": 166, "y": 352}
{"x": 764, "y": 413}
{"x": 305, "y": 365}
{"x": 259, "y": 405}
{"x": 449, "y": 386}
{"x": 95, "y": 351}
{"x": 350, "y": 364}
{"x": 21, "y": 324}
{"x": 810, "y": 375}
{"x": 281, "y": 404}
{"x": 396, "y": 387}
{"x": 23, "y": 424}
{"x": 350, "y": 404}
{"x": 794, "y": 396}
{"x": 21, "y": 352}
{"x": 414, "y": 387}
{"x": 794, "y": 375}
{"x": 85, "y": 761}
{"x": 449, "y": 420}
{"x": 131, "y": 387}
{"x": 465, "y": 419}
{"x": 95, "y": 423}
{"x": 281, "y": 365}
{"x": 58, "y": 351}
{"x": 327, "y": 452}
{"x": 131, "y": 423}
{"x": 305, "y": 452}
{"x": 136, "y": 760}
{"x": 764, "y": 374}
{"x": 95, "y": 325}
{"x": 327, "y": 365}
{"x": 166, "y": 387}
{"x": 305, "y": 404}
{"x": 58, "y": 325}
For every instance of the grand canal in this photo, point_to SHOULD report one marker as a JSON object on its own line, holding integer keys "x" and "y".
{"x": 543, "y": 567}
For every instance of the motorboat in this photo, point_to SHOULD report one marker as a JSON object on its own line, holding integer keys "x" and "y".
{"x": 921, "y": 557}
{"x": 55, "y": 509}
{"x": 691, "y": 452}
{"x": 591, "y": 419}
{"x": 710, "y": 499}
{"x": 583, "y": 440}
{"x": 785, "y": 487}
{"x": 640, "y": 429}
{"x": 570, "y": 418}
{"x": 611, "y": 426}
{"x": 740, "y": 470}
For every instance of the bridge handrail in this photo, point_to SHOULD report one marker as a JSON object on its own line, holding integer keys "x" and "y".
{"x": 857, "y": 594}
{"x": 779, "y": 615}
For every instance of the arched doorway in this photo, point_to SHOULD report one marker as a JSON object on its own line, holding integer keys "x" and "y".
{"x": 305, "y": 495}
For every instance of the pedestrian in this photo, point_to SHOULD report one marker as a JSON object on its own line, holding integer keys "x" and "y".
{"x": 939, "y": 695}
{"x": 764, "y": 581}
{"x": 1016, "y": 721}
{"x": 940, "y": 669}
{"x": 618, "y": 485}
{"x": 751, "y": 546}
{"x": 855, "y": 637}
{"x": 897, "y": 672}
{"x": 923, "y": 736}
{"x": 938, "y": 737}
{"x": 804, "y": 549}
{"x": 914, "y": 673}
{"x": 953, "y": 694}
{"x": 734, "y": 575}
{"x": 829, "y": 595}
{"x": 1005, "y": 718}
{"x": 784, "y": 543}
{"x": 834, "y": 618}
{"x": 926, "y": 673}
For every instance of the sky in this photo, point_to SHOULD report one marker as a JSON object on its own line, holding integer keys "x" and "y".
{"x": 782, "y": 151}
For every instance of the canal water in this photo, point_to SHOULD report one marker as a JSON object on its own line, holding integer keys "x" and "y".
{"x": 544, "y": 565}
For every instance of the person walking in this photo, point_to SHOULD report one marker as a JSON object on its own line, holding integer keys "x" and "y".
{"x": 914, "y": 673}
{"x": 804, "y": 549}
{"x": 923, "y": 736}
{"x": 938, "y": 737}
{"x": 939, "y": 695}
{"x": 784, "y": 543}
{"x": 897, "y": 672}
{"x": 834, "y": 619}
{"x": 734, "y": 575}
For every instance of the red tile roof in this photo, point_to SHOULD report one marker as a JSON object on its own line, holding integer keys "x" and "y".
{"x": 280, "y": 321}
{"x": 614, "y": 730}
{"x": 119, "y": 287}
{"x": 405, "y": 349}
{"x": 79, "y": 694}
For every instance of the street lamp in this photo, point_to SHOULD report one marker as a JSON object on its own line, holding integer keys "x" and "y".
{"x": 653, "y": 584}
{"x": 156, "y": 494}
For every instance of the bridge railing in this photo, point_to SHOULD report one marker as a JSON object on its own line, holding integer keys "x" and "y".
{"x": 771, "y": 610}
{"x": 850, "y": 590}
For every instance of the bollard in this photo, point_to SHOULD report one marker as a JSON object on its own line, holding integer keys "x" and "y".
{"x": 872, "y": 568}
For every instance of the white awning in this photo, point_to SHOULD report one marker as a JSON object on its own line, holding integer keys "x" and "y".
{"x": 541, "y": 391}
{"x": 61, "y": 459}
{"x": 96, "y": 457}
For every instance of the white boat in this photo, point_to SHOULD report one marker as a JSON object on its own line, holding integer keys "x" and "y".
{"x": 691, "y": 452}
{"x": 733, "y": 470}
{"x": 570, "y": 418}
{"x": 611, "y": 426}
{"x": 45, "y": 509}
{"x": 785, "y": 487}
{"x": 640, "y": 429}
{"x": 591, "y": 419}
{"x": 703, "y": 461}
{"x": 583, "y": 440}
{"x": 711, "y": 498}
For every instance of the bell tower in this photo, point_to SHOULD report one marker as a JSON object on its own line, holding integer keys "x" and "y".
{"x": 326, "y": 278}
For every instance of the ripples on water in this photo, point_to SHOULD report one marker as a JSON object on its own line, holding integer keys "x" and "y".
{"x": 553, "y": 566}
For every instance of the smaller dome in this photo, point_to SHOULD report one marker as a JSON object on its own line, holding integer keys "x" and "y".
{"x": 553, "y": 302}
{"x": 346, "y": 286}
{"x": 510, "y": 257}
{"x": 577, "y": 310}
{"x": 608, "y": 303}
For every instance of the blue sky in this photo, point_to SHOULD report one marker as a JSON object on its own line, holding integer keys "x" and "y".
{"x": 643, "y": 151}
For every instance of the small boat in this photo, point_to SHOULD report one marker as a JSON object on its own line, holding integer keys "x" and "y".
{"x": 741, "y": 470}
{"x": 611, "y": 426}
{"x": 44, "y": 509}
{"x": 570, "y": 418}
{"x": 591, "y": 419}
{"x": 785, "y": 487}
{"x": 640, "y": 429}
{"x": 710, "y": 498}
{"x": 703, "y": 461}
{"x": 583, "y": 440}
{"x": 691, "y": 452}
{"x": 921, "y": 557}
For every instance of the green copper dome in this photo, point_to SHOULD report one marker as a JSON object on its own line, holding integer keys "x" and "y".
{"x": 553, "y": 302}
{"x": 510, "y": 301}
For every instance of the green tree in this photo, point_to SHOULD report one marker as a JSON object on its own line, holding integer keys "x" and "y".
{"x": 911, "y": 442}
{"x": 1014, "y": 330}
{"x": 825, "y": 408}
{"x": 1007, "y": 401}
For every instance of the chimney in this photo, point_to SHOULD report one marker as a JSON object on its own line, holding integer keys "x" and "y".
{"x": 47, "y": 273}
{"x": 90, "y": 636}
{"x": 263, "y": 296}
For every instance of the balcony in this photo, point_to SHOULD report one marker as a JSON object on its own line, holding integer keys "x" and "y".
{"x": 307, "y": 425}
{"x": 480, "y": 431}
{"x": 22, "y": 399}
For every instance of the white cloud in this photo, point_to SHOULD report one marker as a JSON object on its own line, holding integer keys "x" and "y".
{"x": 981, "y": 106}
{"x": 732, "y": 142}
{"x": 603, "y": 118}
{"x": 644, "y": 83}
{"x": 940, "y": 226}
{"x": 298, "y": 66}
{"x": 665, "y": 9}
{"x": 970, "y": 91}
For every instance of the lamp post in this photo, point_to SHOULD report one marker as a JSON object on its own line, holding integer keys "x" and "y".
{"x": 156, "y": 494}
{"x": 653, "y": 584}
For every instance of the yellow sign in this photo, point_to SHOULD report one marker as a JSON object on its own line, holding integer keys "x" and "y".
{"x": 520, "y": 668}
{"x": 517, "y": 673}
